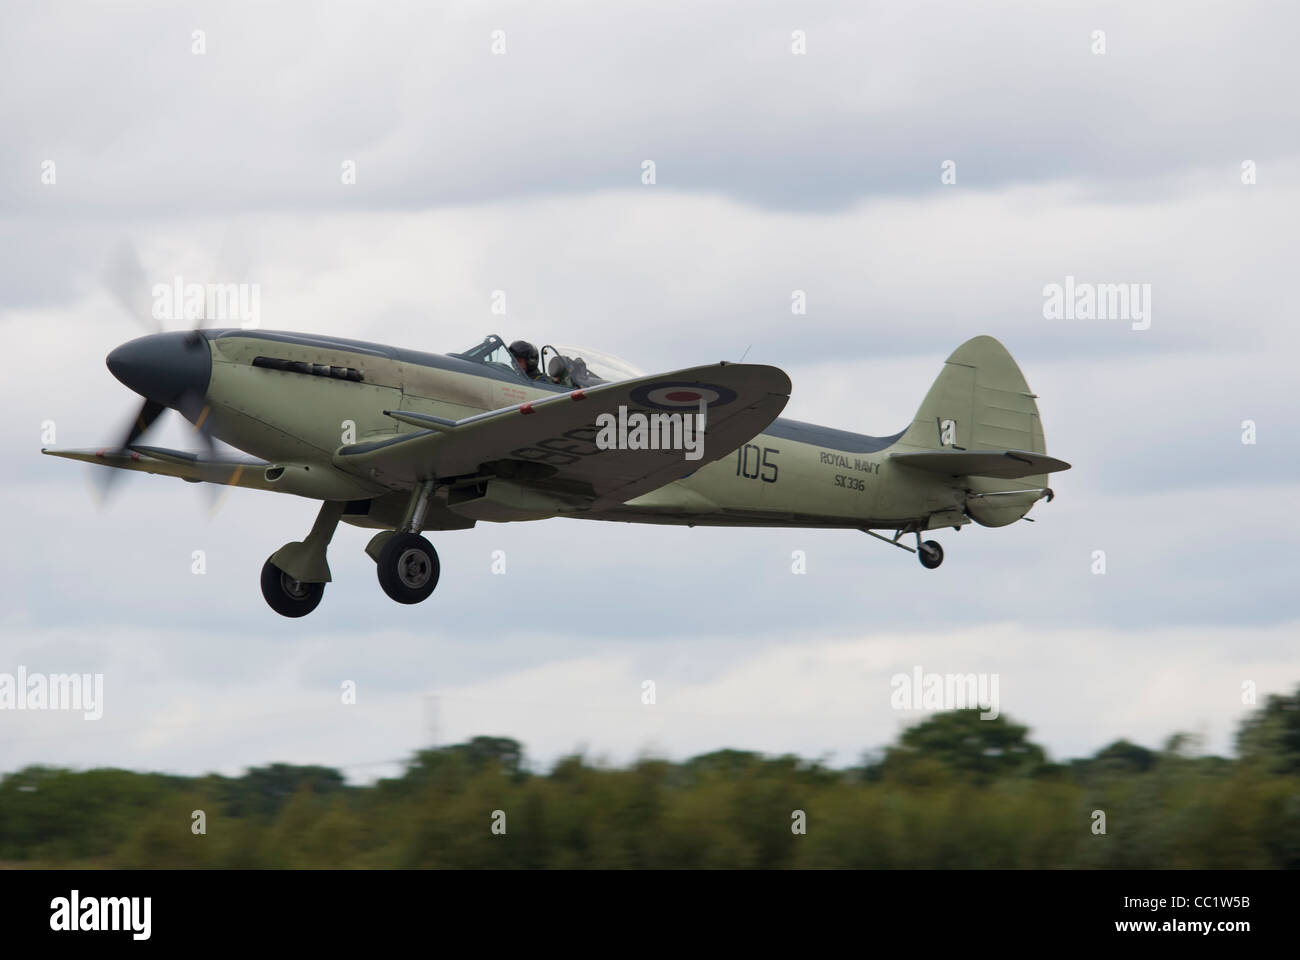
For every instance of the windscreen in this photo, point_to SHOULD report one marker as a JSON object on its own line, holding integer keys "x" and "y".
{"x": 604, "y": 365}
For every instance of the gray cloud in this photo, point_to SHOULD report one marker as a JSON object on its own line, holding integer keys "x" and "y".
{"x": 263, "y": 120}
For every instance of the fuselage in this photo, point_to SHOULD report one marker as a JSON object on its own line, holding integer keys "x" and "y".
{"x": 295, "y": 398}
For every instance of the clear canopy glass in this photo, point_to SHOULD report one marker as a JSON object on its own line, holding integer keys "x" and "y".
{"x": 603, "y": 366}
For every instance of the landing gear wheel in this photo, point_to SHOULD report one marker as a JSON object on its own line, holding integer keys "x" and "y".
{"x": 408, "y": 568}
{"x": 930, "y": 554}
{"x": 289, "y": 597}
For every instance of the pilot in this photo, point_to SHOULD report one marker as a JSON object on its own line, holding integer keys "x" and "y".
{"x": 558, "y": 371}
{"x": 525, "y": 355}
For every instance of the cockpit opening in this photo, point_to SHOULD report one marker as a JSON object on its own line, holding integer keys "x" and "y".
{"x": 572, "y": 367}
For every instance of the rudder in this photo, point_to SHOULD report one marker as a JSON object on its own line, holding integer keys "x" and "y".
{"x": 980, "y": 401}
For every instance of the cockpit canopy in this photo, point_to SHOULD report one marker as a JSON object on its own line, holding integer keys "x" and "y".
{"x": 568, "y": 366}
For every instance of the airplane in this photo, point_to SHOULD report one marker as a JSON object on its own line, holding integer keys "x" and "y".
{"x": 405, "y": 442}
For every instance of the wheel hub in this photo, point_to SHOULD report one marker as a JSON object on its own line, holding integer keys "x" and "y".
{"x": 413, "y": 568}
{"x": 293, "y": 588}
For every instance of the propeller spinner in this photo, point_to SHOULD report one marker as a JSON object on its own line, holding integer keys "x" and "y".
{"x": 168, "y": 370}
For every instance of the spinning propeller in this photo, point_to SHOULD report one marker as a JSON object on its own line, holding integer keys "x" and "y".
{"x": 166, "y": 369}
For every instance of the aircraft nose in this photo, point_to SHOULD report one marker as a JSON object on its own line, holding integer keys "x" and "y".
{"x": 164, "y": 367}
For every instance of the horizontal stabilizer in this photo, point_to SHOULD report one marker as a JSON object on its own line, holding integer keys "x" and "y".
{"x": 1004, "y": 464}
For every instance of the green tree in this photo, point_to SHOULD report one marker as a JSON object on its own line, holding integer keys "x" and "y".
{"x": 263, "y": 791}
{"x": 1270, "y": 736}
{"x": 961, "y": 745}
{"x": 1120, "y": 758}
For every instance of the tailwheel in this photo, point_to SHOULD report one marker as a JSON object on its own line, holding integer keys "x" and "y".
{"x": 408, "y": 568}
{"x": 287, "y": 596}
{"x": 930, "y": 554}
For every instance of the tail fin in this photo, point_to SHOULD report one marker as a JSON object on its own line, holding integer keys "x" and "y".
{"x": 980, "y": 401}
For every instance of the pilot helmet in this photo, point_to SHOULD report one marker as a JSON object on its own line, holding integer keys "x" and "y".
{"x": 525, "y": 353}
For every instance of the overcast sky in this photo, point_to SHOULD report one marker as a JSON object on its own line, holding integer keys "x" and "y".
{"x": 775, "y": 171}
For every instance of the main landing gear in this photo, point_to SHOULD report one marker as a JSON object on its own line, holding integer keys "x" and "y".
{"x": 406, "y": 563}
{"x": 294, "y": 577}
{"x": 408, "y": 567}
{"x": 929, "y": 553}
{"x": 289, "y": 597}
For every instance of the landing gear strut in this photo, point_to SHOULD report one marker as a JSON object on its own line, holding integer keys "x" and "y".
{"x": 929, "y": 553}
{"x": 294, "y": 577}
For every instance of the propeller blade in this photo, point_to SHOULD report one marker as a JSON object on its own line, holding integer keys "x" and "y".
{"x": 231, "y": 266}
{"x": 125, "y": 279}
{"x": 200, "y": 409}
{"x": 149, "y": 412}
{"x": 106, "y": 480}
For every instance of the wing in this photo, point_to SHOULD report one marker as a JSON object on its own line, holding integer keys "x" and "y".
{"x": 1004, "y": 464}
{"x": 551, "y": 443}
{"x": 177, "y": 463}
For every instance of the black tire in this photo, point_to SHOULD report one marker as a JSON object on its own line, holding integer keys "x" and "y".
{"x": 930, "y": 554}
{"x": 408, "y": 568}
{"x": 286, "y": 596}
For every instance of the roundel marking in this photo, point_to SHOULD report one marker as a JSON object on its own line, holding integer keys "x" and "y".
{"x": 682, "y": 396}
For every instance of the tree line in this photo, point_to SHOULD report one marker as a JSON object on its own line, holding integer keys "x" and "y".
{"x": 954, "y": 791}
